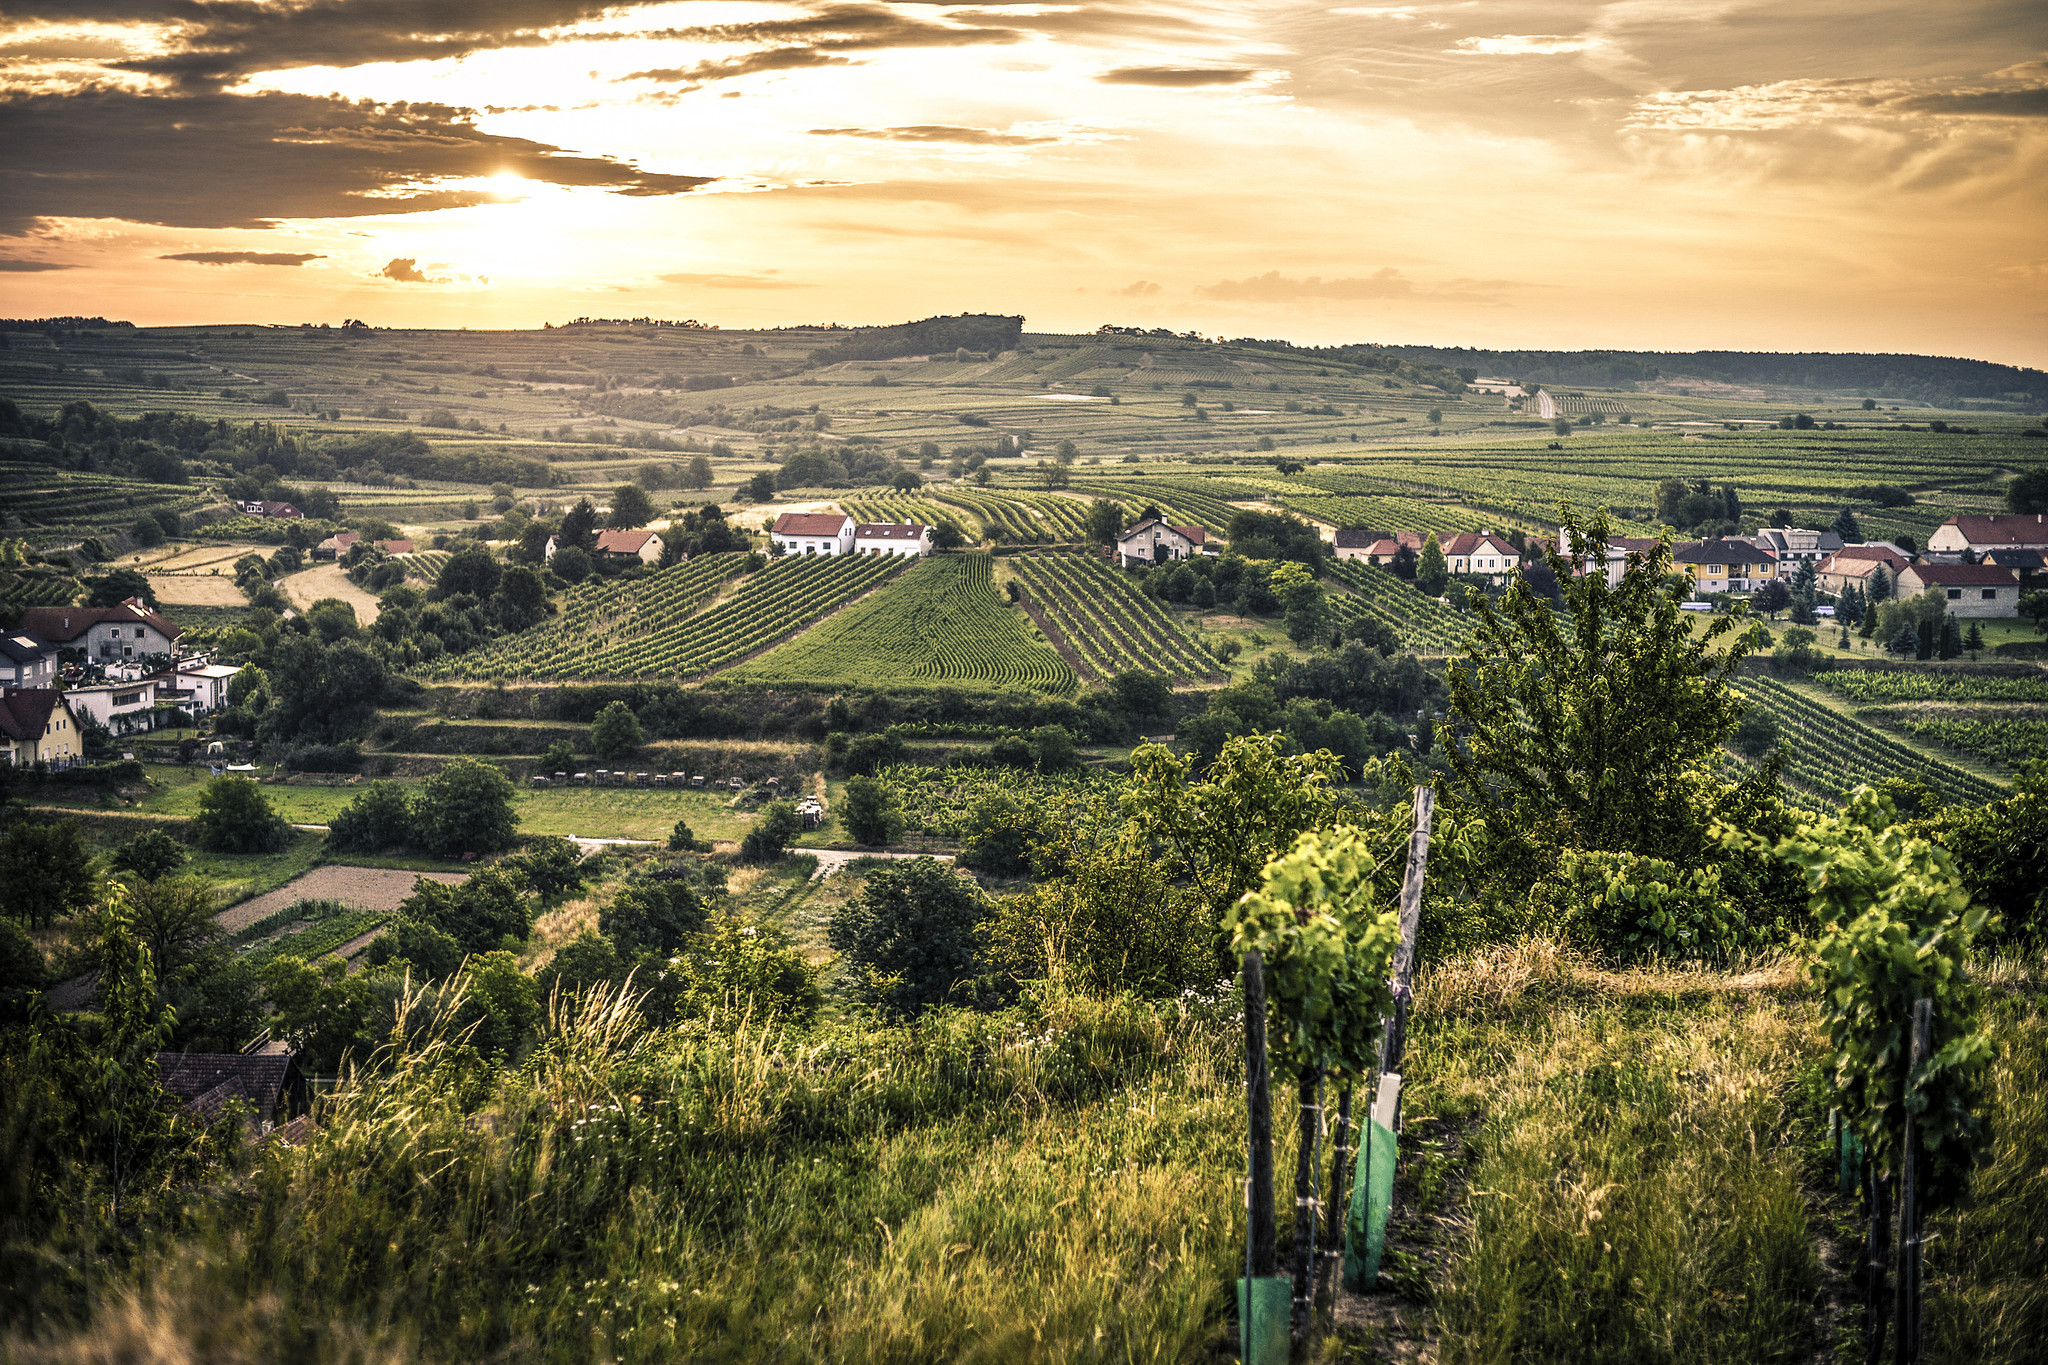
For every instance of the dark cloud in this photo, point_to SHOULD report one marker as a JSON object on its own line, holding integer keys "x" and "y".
{"x": 245, "y": 257}
{"x": 1177, "y": 77}
{"x": 406, "y": 270}
{"x": 814, "y": 39}
{"x": 939, "y": 132}
{"x": 1980, "y": 103}
{"x": 734, "y": 282}
{"x": 728, "y": 68}
{"x": 215, "y": 160}
{"x": 31, "y": 267}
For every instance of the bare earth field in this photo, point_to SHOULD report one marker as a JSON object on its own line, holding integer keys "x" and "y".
{"x": 327, "y": 580}
{"x": 193, "y": 590}
{"x": 359, "y": 888}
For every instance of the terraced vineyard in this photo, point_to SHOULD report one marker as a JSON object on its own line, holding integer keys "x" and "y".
{"x": 941, "y": 622}
{"x": 37, "y": 587}
{"x": 937, "y": 801}
{"x": 2012, "y": 740}
{"x": 1424, "y": 624}
{"x": 890, "y": 505}
{"x": 1830, "y": 754}
{"x": 426, "y": 564}
{"x": 1185, "y": 502}
{"x": 1112, "y": 626}
{"x": 652, "y": 628}
{"x": 52, "y": 506}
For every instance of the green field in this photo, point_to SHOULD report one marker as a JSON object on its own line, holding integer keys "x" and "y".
{"x": 1103, "y": 618}
{"x": 940, "y": 622}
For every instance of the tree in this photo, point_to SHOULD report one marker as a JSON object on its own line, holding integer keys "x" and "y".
{"x": 45, "y": 870}
{"x": 150, "y": 855}
{"x": 868, "y": 810}
{"x": 1431, "y": 572}
{"x": 750, "y": 969}
{"x": 1771, "y": 598}
{"x": 466, "y": 807}
{"x": 906, "y": 481}
{"x": 589, "y": 959}
{"x": 173, "y": 917}
{"x": 761, "y": 488}
{"x": 499, "y": 1001}
{"x": 630, "y": 508}
{"x": 117, "y": 587}
{"x": 769, "y": 839}
{"x": 147, "y": 533}
{"x": 331, "y": 619}
{"x": 616, "y": 732}
{"x": 321, "y": 694}
{"x": 379, "y": 818}
{"x": 478, "y": 914}
{"x": 2028, "y": 492}
{"x": 571, "y": 564}
{"x": 2034, "y": 605}
{"x": 471, "y": 572}
{"x": 1974, "y": 640}
{"x": 579, "y": 528}
{"x": 697, "y": 474}
{"x": 1847, "y": 528}
{"x": 1436, "y": 417}
{"x": 552, "y": 865}
{"x": 235, "y": 817}
{"x": 1600, "y": 728}
{"x": 1307, "y": 618}
{"x": 430, "y": 950}
{"x": 911, "y": 935}
{"x": 521, "y": 599}
{"x": 654, "y": 913}
{"x": 682, "y": 839}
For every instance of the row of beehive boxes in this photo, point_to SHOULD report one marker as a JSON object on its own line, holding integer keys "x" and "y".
{"x": 619, "y": 777}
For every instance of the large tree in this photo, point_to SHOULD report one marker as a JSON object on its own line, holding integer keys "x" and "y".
{"x": 630, "y": 508}
{"x": 465, "y": 808}
{"x": 45, "y": 870}
{"x": 911, "y": 935}
{"x": 321, "y": 694}
{"x": 1596, "y": 727}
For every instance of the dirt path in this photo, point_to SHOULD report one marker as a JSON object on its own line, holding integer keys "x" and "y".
{"x": 832, "y": 860}
{"x": 327, "y": 580}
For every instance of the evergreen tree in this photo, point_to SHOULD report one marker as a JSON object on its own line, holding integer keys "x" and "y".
{"x": 1974, "y": 640}
{"x": 1431, "y": 572}
{"x": 1845, "y": 526}
{"x": 1951, "y": 638}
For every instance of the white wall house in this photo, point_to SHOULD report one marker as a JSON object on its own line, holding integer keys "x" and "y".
{"x": 1971, "y": 589}
{"x": 128, "y": 631}
{"x": 644, "y": 546}
{"x": 906, "y": 538}
{"x": 124, "y": 708}
{"x": 1152, "y": 541}
{"x": 813, "y": 533}
{"x": 1981, "y": 534}
{"x": 1485, "y": 554}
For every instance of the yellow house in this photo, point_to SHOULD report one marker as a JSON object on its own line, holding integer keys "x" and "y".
{"x": 37, "y": 726}
{"x": 1725, "y": 565}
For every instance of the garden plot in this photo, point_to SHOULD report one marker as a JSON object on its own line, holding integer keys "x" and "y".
{"x": 359, "y": 888}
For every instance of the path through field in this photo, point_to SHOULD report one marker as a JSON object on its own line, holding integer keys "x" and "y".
{"x": 327, "y": 580}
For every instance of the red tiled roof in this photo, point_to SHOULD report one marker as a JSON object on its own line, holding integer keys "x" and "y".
{"x": 1863, "y": 554}
{"x": 206, "y": 1081}
{"x": 622, "y": 542}
{"x": 2001, "y": 528}
{"x": 810, "y": 523}
{"x": 61, "y": 625}
{"x": 395, "y": 547}
{"x": 1468, "y": 543}
{"x": 25, "y": 711}
{"x": 1199, "y": 535}
{"x": 1965, "y": 575}
{"x": 1384, "y": 547}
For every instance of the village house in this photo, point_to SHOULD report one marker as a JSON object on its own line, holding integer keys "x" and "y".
{"x": 268, "y": 509}
{"x": 644, "y": 546}
{"x": 1793, "y": 543}
{"x": 395, "y": 547}
{"x": 813, "y": 533}
{"x": 37, "y": 726}
{"x": 268, "y": 1084}
{"x": 1376, "y": 547}
{"x": 1857, "y": 566}
{"x": 128, "y": 631}
{"x": 892, "y": 538}
{"x": 1152, "y": 541}
{"x": 120, "y": 708}
{"x": 1971, "y": 589}
{"x": 1978, "y": 536}
{"x": 1482, "y": 553}
{"x": 1725, "y": 565}
{"x": 1621, "y": 552}
{"x": 26, "y": 661}
{"x": 336, "y": 545}
{"x": 198, "y": 686}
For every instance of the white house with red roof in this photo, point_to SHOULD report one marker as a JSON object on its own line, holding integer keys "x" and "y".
{"x": 1971, "y": 589}
{"x": 1993, "y": 531}
{"x": 1857, "y": 566}
{"x": 1153, "y": 541}
{"x": 907, "y": 538}
{"x": 644, "y": 546}
{"x": 813, "y": 533}
{"x": 1482, "y": 553}
{"x": 128, "y": 631}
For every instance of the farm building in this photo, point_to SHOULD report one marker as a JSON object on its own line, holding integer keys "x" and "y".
{"x": 1152, "y": 541}
{"x": 644, "y": 546}
{"x": 1484, "y": 553}
{"x": 1971, "y": 589}
{"x": 37, "y": 726}
{"x": 26, "y": 661}
{"x": 1854, "y": 566}
{"x": 1725, "y": 565}
{"x": 336, "y": 545}
{"x": 813, "y": 533}
{"x": 128, "y": 631}
{"x": 1375, "y": 547}
{"x": 1621, "y": 552}
{"x": 892, "y": 538}
{"x": 395, "y": 547}
{"x": 1979, "y": 535}
{"x": 268, "y": 509}
{"x": 269, "y": 1083}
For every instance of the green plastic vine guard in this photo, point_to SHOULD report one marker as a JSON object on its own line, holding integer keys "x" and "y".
{"x": 1263, "y": 1306}
{"x": 1372, "y": 1190}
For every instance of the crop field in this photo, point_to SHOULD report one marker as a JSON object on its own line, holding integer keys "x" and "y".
{"x": 51, "y": 507}
{"x": 652, "y": 627}
{"x": 1112, "y": 626}
{"x": 941, "y": 622}
{"x": 2011, "y": 741}
{"x": 937, "y": 801}
{"x": 1896, "y": 685}
{"x": 890, "y": 505}
{"x": 1830, "y": 754}
{"x": 1424, "y": 624}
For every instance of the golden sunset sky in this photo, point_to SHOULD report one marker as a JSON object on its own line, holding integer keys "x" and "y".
{"x": 1658, "y": 174}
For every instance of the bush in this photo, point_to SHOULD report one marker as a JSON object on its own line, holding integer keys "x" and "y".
{"x": 869, "y": 812}
{"x": 770, "y": 836}
{"x": 559, "y": 758}
{"x": 654, "y": 913}
{"x": 465, "y": 808}
{"x": 683, "y": 840}
{"x": 432, "y": 951}
{"x": 552, "y": 865}
{"x": 910, "y": 935}
{"x": 867, "y": 753}
{"x": 235, "y": 817}
{"x": 150, "y": 855}
{"x": 478, "y": 914}
{"x": 379, "y": 818}
{"x": 616, "y": 732}
{"x": 751, "y": 969}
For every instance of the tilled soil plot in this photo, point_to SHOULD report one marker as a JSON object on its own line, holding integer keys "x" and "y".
{"x": 359, "y": 888}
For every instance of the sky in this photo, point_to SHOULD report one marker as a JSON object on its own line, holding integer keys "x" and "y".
{"x": 1642, "y": 174}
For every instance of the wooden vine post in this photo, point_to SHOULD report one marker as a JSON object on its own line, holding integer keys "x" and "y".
{"x": 1372, "y": 1185}
{"x": 1907, "y": 1326}
{"x": 1261, "y": 1295}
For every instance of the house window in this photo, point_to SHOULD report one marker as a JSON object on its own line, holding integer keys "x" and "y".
{"x": 1955, "y": 594}
{"x": 1990, "y": 594}
{"x": 1714, "y": 569}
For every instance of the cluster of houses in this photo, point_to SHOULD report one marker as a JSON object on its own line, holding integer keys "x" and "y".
{"x": 144, "y": 677}
{"x": 835, "y": 533}
{"x": 645, "y": 546}
{"x": 1982, "y": 563}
